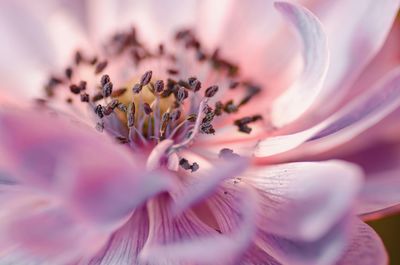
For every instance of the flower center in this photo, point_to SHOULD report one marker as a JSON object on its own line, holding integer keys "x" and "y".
{"x": 177, "y": 94}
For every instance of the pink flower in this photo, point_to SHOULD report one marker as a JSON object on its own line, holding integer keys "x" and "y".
{"x": 145, "y": 152}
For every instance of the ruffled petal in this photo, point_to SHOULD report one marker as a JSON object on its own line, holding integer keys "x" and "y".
{"x": 379, "y": 194}
{"x": 186, "y": 239}
{"x": 366, "y": 248}
{"x": 300, "y": 96}
{"x": 52, "y": 154}
{"x": 199, "y": 187}
{"x": 324, "y": 250}
{"x": 354, "y": 118}
{"x": 304, "y": 200}
{"x": 126, "y": 243}
{"x": 354, "y": 40}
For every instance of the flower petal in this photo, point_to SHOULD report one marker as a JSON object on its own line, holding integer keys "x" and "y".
{"x": 52, "y": 154}
{"x": 366, "y": 248}
{"x": 207, "y": 181}
{"x": 354, "y": 41}
{"x": 380, "y": 192}
{"x": 300, "y": 96}
{"x": 126, "y": 243}
{"x": 187, "y": 239}
{"x": 357, "y": 116}
{"x": 304, "y": 200}
{"x": 322, "y": 251}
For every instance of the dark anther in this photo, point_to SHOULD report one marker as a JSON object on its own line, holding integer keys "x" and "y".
{"x": 243, "y": 123}
{"x": 146, "y": 78}
{"x": 230, "y": 107}
{"x": 118, "y": 92}
{"x": 181, "y": 94}
{"x": 227, "y": 153}
{"x": 137, "y": 88}
{"x": 69, "y": 100}
{"x": 98, "y": 96}
{"x": 192, "y": 117}
{"x": 233, "y": 84}
{"x": 147, "y": 109}
{"x": 200, "y": 56}
{"x": 175, "y": 114}
{"x": 104, "y": 79}
{"x": 159, "y": 86}
{"x": 172, "y": 71}
{"x": 122, "y": 107}
{"x": 110, "y": 107}
{"x": 218, "y": 108}
{"x": 85, "y": 97}
{"x": 161, "y": 49}
{"x": 99, "y": 111}
{"x": 68, "y": 72}
{"x": 55, "y": 81}
{"x": 194, "y": 84}
{"x": 93, "y": 61}
{"x": 82, "y": 85}
{"x": 131, "y": 114}
{"x": 78, "y": 57}
{"x": 184, "y": 163}
{"x": 107, "y": 89}
{"x": 194, "y": 167}
{"x": 164, "y": 121}
{"x": 75, "y": 89}
{"x": 100, "y": 67}
{"x": 252, "y": 90}
{"x": 207, "y": 128}
{"x": 211, "y": 91}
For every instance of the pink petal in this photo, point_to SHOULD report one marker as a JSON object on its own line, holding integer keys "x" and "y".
{"x": 126, "y": 243}
{"x": 380, "y": 193}
{"x": 324, "y": 250}
{"x": 255, "y": 255}
{"x": 98, "y": 179}
{"x": 300, "y": 96}
{"x": 200, "y": 186}
{"x": 304, "y": 200}
{"x": 186, "y": 239}
{"x": 354, "y": 40}
{"x": 354, "y": 118}
{"x": 366, "y": 248}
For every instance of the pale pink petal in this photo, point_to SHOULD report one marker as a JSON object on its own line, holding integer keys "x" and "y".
{"x": 203, "y": 184}
{"x": 186, "y": 239}
{"x": 234, "y": 26}
{"x": 360, "y": 114}
{"x": 354, "y": 40}
{"x": 322, "y": 251}
{"x": 155, "y": 20}
{"x": 300, "y": 96}
{"x": 126, "y": 243}
{"x": 77, "y": 164}
{"x": 156, "y": 155}
{"x": 366, "y": 248}
{"x": 380, "y": 192}
{"x": 304, "y": 200}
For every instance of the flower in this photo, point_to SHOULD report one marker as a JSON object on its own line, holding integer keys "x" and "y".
{"x": 171, "y": 153}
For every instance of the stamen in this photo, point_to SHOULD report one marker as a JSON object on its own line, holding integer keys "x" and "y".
{"x": 100, "y": 67}
{"x": 211, "y": 91}
{"x": 68, "y": 72}
{"x": 146, "y": 78}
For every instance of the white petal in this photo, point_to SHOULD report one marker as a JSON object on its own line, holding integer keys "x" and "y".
{"x": 304, "y": 200}
{"x": 300, "y": 96}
